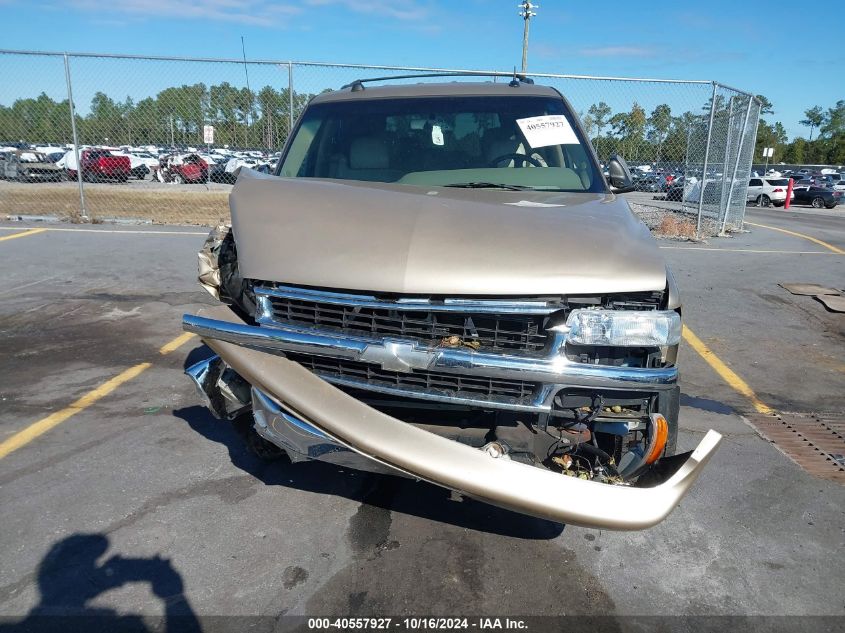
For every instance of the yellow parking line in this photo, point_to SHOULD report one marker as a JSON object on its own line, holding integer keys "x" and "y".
{"x": 830, "y": 247}
{"x": 21, "y": 234}
{"x": 176, "y": 343}
{"x": 127, "y": 231}
{"x": 37, "y": 429}
{"x": 725, "y": 373}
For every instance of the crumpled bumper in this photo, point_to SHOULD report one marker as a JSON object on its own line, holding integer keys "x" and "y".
{"x": 424, "y": 455}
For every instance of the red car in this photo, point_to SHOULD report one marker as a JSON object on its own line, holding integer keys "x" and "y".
{"x": 100, "y": 164}
{"x": 182, "y": 168}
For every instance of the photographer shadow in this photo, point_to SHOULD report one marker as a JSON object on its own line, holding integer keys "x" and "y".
{"x": 69, "y": 578}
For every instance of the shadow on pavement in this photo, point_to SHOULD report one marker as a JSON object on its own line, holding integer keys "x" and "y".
{"x": 70, "y": 578}
{"x": 196, "y": 355}
{"x": 396, "y": 494}
{"x": 706, "y": 404}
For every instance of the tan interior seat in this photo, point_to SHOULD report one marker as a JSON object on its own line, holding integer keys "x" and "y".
{"x": 368, "y": 159}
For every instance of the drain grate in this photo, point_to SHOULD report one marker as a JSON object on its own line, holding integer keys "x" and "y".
{"x": 816, "y": 442}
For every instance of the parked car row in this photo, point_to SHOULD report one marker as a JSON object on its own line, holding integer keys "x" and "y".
{"x": 771, "y": 191}
{"x": 118, "y": 164}
{"x": 806, "y": 177}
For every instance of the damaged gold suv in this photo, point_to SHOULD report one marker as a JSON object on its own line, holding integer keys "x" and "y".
{"x": 439, "y": 282}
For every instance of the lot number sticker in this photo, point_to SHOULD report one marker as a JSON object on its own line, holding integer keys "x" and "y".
{"x": 550, "y": 129}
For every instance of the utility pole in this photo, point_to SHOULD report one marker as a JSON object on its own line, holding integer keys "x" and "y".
{"x": 526, "y": 13}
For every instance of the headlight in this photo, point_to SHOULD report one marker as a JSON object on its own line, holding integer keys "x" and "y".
{"x": 624, "y": 328}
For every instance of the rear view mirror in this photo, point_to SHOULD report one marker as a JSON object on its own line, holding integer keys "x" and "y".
{"x": 619, "y": 175}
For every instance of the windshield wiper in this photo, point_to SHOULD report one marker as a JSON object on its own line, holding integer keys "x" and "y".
{"x": 487, "y": 185}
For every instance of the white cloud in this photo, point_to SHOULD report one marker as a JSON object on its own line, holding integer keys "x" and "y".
{"x": 251, "y": 12}
{"x": 397, "y": 9}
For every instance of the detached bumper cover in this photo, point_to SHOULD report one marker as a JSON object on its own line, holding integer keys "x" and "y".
{"x": 423, "y": 455}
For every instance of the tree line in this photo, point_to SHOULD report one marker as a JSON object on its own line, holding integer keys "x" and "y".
{"x": 639, "y": 136}
{"x": 175, "y": 116}
{"x": 829, "y": 145}
{"x": 661, "y": 136}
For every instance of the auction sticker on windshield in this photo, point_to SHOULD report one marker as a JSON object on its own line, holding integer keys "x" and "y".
{"x": 549, "y": 129}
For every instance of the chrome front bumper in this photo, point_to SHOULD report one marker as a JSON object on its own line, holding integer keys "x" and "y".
{"x": 313, "y": 419}
{"x": 551, "y": 372}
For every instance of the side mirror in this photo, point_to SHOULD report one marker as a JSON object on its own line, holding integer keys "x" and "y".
{"x": 619, "y": 175}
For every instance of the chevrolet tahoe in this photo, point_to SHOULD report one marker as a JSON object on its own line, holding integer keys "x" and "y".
{"x": 439, "y": 282}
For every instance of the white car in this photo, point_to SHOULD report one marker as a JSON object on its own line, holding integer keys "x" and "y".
{"x": 236, "y": 162}
{"x": 768, "y": 191}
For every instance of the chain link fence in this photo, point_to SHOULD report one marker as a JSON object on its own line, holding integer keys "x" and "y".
{"x": 104, "y": 137}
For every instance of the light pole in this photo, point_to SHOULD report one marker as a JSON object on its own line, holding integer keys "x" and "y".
{"x": 526, "y": 13}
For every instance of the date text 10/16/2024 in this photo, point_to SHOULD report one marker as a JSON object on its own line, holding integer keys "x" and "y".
{"x": 417, "y": 623}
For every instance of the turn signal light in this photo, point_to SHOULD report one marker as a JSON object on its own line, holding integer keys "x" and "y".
{"x": 658, "y": 434}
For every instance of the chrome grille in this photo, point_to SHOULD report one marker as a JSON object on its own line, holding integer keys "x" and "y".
{"x": 451, "y": 385}
{"x": 481, "y": 330}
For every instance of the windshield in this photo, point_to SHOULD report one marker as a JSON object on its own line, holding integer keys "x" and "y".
{"x": 508, "y": 142}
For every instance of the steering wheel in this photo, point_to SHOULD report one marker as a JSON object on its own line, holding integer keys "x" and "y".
{"x": 517, "y": 158}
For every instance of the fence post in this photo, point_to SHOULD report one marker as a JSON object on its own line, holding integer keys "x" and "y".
{"x": 706, "y": 158}
{"x": 736, "y": 164}
{"x": 728, "y": 139}
{"x": 83, "y": 212}
{"x": 751, "y": 163}
{"x": 290, "y": 99}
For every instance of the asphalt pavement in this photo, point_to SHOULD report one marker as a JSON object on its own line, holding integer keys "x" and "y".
{"x": 143, "y": 504}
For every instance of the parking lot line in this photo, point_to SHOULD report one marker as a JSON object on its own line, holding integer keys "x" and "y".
{"x": 176, "y": 343}
{"x": 127, "y": 231}
{"x": 725, "y": 373}
{"x": 39, "y": 428}
{"x": 21, "y": 234}
{"x": 830, "y": 247}
{"x": 743, "y": 250}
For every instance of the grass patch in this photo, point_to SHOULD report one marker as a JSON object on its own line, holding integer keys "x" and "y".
{"x": 672, "y": 226}
{"x": 187, "y": 205}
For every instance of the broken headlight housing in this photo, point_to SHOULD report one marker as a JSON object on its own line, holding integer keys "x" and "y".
{"x": 623, "y": 328}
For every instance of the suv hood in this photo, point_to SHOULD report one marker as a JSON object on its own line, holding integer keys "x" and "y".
{"x": 405, "y": 239}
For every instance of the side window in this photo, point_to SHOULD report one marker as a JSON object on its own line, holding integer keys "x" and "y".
{"x": 755, "y": 182}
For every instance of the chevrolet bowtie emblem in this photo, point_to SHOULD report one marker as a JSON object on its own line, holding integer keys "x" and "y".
{"x": 398, "y": 356}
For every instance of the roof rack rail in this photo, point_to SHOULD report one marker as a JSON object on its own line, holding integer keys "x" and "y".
{"x": 358, "y": 84}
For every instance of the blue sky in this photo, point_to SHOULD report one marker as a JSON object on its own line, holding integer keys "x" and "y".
{"x": 719, "y": 39}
